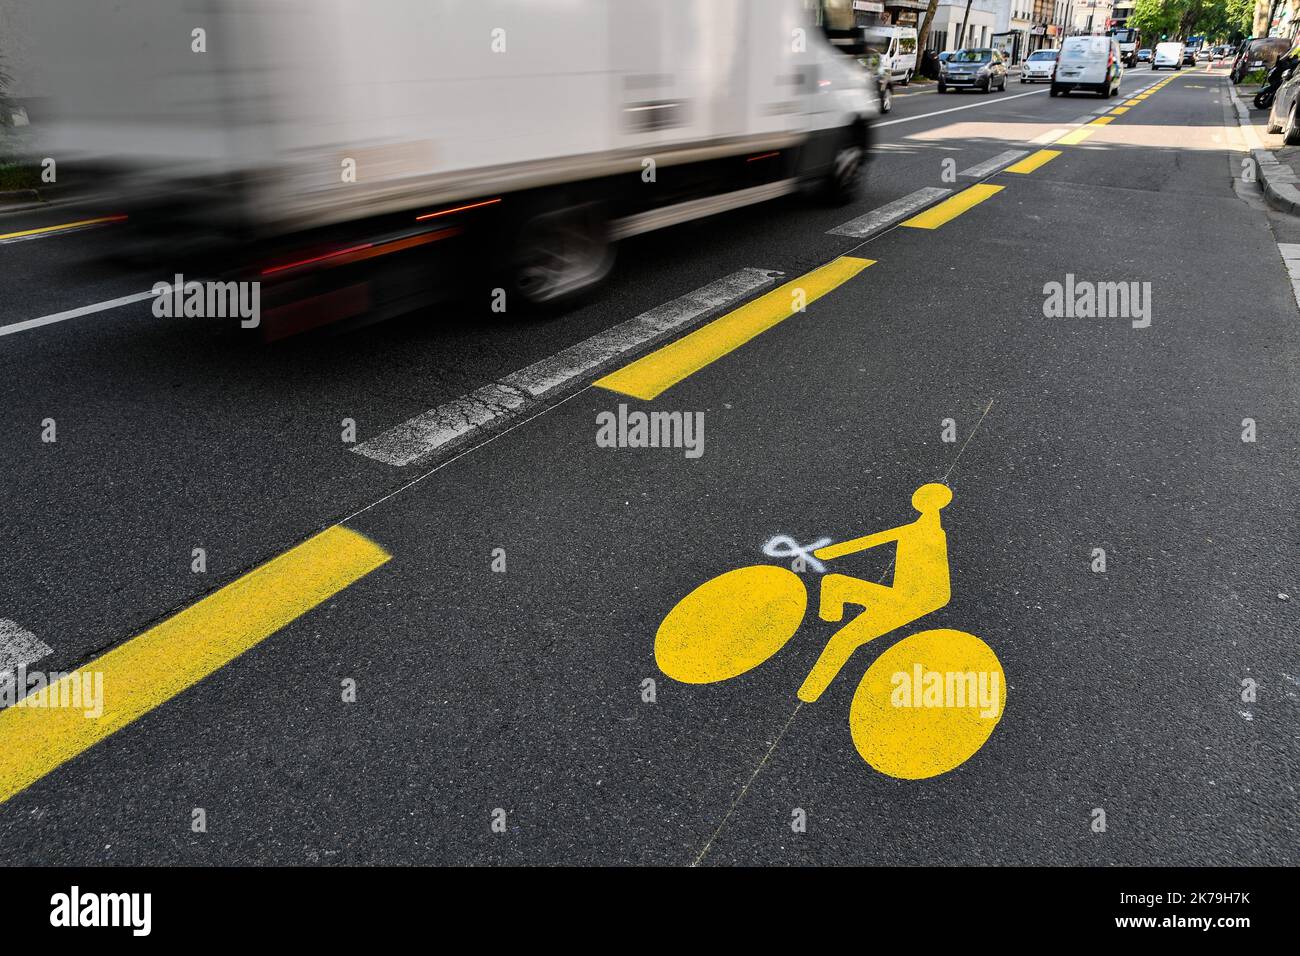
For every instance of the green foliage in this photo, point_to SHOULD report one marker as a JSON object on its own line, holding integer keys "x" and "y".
{"x": 1214, "y": 19}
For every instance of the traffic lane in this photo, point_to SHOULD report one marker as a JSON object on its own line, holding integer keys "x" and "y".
{"x": 1125, "y": 686}
{"x": 479, "y": 690}
{"x": 595, "y": 645}
{"x": 281, "y": 479}
{"x": 193, "y": 438}
{"x": 56, "y": 271}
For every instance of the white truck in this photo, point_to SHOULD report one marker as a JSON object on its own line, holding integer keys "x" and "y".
{"x": 320, "y": 135}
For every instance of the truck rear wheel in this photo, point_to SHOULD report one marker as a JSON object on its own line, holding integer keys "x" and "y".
{"x": 557, "y": 253}
{"x": 843, "y": 181}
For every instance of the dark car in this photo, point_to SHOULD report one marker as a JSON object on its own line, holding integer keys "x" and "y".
{"x": 1144, "y": 56}
{"x": 1258, "y": 53}
{"x": 979, "y": 68}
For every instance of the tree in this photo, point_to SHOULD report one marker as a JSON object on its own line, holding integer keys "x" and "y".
{"x": 1157, "y": 18}
{"x": 925, "y": 30}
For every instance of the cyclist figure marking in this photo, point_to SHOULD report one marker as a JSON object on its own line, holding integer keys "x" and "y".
{"x": 920, "y": 585}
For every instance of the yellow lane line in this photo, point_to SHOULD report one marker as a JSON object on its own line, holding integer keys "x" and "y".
{"x": 1102, "y": 121}
{"x": 1132, "y": 102}
{"x": 1119, "y": 111}
{"x": 1033, "y": 161}
{"x": 950, "y": 209}
{"x": 652, "y": 374}
{"x": 41, "y": 731}
{"x": 61, "y": 228}
{"x": 1075, "y": 137}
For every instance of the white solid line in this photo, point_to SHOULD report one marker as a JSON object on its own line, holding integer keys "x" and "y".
{"x": 969, "y": 106}
{"x": 889, "y": 213}
{"x": 980, "y": 170}
{"x": 423, "y": 435}
{"x": 18, "y": 648}
{"x": 74, "y": 313}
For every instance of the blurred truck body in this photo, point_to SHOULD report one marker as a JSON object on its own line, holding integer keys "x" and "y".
{"x": 297, "y": 127}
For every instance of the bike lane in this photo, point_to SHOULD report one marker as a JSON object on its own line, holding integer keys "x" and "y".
{"x": 523, "y": 689}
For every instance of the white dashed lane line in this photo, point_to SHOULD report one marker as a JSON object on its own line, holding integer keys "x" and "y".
{"x": 890, "y": 213}
{"x": 424, "y": 435}
{"x": 989, "y": 166}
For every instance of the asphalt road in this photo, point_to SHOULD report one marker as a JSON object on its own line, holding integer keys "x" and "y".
{"x": 523, "y": 690}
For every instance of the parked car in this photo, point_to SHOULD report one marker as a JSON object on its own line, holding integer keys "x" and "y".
{"x": 1144, "y": 56}
{"x": 1258, "y": 53}
{"x": 1204, "y": 54}
{"x": 1040, "y": 66}
{"x": 1189, "y": 55}
{"x": 1284, "y": 114}
{"x": 1088, "y": 63}
{"x": 1168, "y": 54}
{"x": 979, "y": 68}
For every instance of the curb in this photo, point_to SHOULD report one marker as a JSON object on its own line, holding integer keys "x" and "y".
{"x": 1276, "y": 179}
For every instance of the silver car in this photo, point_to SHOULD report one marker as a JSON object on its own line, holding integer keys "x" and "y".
{"x": 1040, "y": 66}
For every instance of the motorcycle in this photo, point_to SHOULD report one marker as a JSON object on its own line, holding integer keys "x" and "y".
{"x": 1264, "y": 98}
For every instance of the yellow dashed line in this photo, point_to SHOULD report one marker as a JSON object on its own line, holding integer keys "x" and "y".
{"x": 950, "y": 209}
{"x": 170, "y": 657}
{"x": 652, "y": 374}
{"x": 1034, "y": 161}
{"x": 1119, "y": 111}
{"x": 1075, "y": 137}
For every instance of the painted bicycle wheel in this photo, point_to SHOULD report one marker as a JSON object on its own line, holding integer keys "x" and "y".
{"x": 928, "y": 704}
{"x": 730, "y": 624}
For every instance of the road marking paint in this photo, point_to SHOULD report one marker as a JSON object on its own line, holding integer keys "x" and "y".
{"x": 889, "y": 213}
{"x": 1040, "y": 158}
{"x": 425, "y": 434}
{"x": 969, "y": 106}
{"x": 170, "y": 657}
{"x": 44, "y": 231}
{"x": 983, "y": 169}
{"x": 1291, "y": 257}
{"x": 18, "y": 648}
{"x": 1085, "y": 118}
{"x": 75, "y": 313}
{"x": 950, "y": 209}
{"x": 1119, "y": 111}
{"x": 1075, "y": 137}
{"x": 1051, "y": 136}
{"x": 1132, "y": 102}
{"x": 650, "y": 376}
{"x": 1102, "y": 121}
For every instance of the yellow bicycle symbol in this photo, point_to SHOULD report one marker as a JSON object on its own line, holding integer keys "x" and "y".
{"x": 923, "y": 707}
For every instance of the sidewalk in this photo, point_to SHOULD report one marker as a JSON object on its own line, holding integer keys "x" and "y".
{"x": 1277, "y": 166}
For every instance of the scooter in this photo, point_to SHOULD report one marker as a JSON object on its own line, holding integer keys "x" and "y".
{"x": 1264, "y": 98}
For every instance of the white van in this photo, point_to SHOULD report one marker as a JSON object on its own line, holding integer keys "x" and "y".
{"x": 897, "y": 49}
{"x": 1168, "y": 54}
{"x": 1088, "y": 63}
